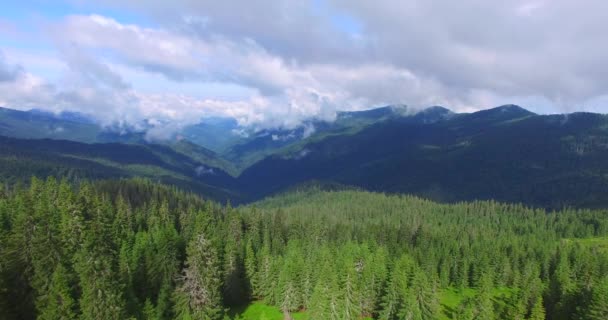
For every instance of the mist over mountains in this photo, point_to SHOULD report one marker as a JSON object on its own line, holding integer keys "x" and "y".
{"x": 505, "y": 153}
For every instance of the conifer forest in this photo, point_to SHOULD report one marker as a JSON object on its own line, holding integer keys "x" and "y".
{"x": 134, "y": 249}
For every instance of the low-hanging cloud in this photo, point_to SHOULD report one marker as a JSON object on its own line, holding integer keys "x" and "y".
{"x": 8, "y": 73}
{"x": 304, "y": 64}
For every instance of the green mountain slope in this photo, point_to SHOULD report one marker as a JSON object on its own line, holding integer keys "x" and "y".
{"x": 22, "y": 158}
{"x": 36, "y": 124}
{"x": 42, "y": 125}
{"x": 506, "y": 153}
{"x": 261, "y": 144}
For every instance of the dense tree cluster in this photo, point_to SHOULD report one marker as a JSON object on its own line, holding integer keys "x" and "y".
{"x": 133, "y": 249}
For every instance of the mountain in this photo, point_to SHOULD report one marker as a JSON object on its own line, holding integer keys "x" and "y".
{"x": 22, "y": 158}
{"x": 39, "y": 124}
{"x": 36, "y": 124}
{"x": 261, "y": 144}
{"x": 215, "y": 133}
{"x": 202, "y": 155}
{"x": 240, "y": 147}
{"x": 506, "y": 153}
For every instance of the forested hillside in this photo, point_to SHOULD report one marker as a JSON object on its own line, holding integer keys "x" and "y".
{"x": 35, "y": 124}
{"x": 22, "y": 158}
{"x": 506, "y": 154}
{"x": 133, "y": 249}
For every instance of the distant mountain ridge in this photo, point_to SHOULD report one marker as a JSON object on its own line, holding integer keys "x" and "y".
{"x": 506, "y": 153}
{"x": 22, "y": 158}
{"x": 239, "y": 147}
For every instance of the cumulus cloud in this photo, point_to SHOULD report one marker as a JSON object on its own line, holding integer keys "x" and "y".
{"x": 306, "y": 63}
{"x": 511, "y": 48}
{"x": 288, "y": 91}
{"x": 286, "y": 28}
{"x": 154, "y": 50}
{"x": 515, "y": 48}
{"x": 26, "y": 91}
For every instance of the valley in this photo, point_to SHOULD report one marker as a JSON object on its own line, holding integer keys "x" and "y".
{"x": 506, "y": 153}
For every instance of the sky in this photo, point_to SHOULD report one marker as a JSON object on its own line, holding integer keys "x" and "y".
{"x": 275, "y": 63}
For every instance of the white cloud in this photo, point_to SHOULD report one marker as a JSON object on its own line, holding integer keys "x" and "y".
{"x": 529, "y": 8}
{"x": 8, "y": 72}
{"x": 300, "y": 64}
{"x": 154, "y": 50}
{"x": 287, "y": 91}
{"x": 512, "y": 48}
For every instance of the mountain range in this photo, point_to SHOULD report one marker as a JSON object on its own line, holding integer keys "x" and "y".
{"x": 505, "y": 153}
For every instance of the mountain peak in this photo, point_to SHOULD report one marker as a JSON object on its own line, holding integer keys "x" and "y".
{"x": 375, "y": 113}
{"x": 433, "y": 114}
{"x": 501, "y": 113}
{"x": 436, "y": 110}
{"x": 512, "y": 108}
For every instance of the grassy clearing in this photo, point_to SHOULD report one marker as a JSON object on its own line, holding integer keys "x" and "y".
{"x": 600, "y": 244}
{"x": 449, "y": 300}
{"x": 260, "y": 311}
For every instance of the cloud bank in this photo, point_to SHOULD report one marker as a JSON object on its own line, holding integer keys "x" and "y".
{"x": 275, "y": 63}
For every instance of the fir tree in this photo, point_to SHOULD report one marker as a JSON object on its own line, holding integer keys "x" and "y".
{"x": 598, "y": 306}
{"x": 60, "y": 304}
{"x": 198, "y": 296}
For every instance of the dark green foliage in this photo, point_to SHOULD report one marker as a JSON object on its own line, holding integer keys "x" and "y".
{"x": 75, "y": 161}
{"x": 598, "y": 304}
{"x": 59, "y": 302}
{"x": 198, "y": 295}
{"x": 134, "y": 249}
{"x": 506, "y": 154}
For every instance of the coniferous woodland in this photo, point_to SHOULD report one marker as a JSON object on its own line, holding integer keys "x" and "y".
{"x": 134, "y": 249}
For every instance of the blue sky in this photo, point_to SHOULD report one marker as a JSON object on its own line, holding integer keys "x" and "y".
{"x": 22, "y": 12}
{"x": 274, "y": 63}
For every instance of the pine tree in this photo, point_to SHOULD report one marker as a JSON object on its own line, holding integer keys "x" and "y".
{"x": 234, "y": 274}
{"x": 538, "y": 310}
{"x": 483, "y": 300}
{"x": 46, "y": 251}
{"x": 60, "y": 304}
{"x": 164, "y": 302}
{"x": 149, "y": 312}
{"x": 466, "y": 310}
{"x": 373, "y": 275}
{"x": 393, "y": 303}
{"x": 424, "y": 296}
{"x": 267, "y": 274}
{"x": 287, "y": 291}
{"x": 198, "y": 296}
{"x": 97, "y": 267}
{"x": 562, "y": 288}
{"x": 410, "y": 308}
{"x": 319, "y": 301}
{"x": 324, "y": 299}
{"x": 351, "y": 308}
{"x": 598, "y": 306}
{"x": 251, "y": 270}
